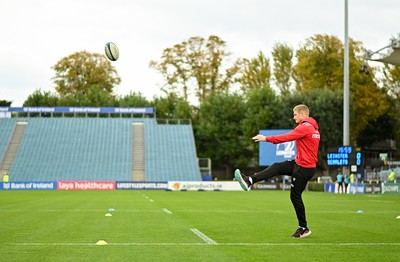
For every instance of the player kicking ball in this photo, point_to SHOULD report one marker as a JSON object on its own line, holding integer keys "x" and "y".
{"x": 301, "y": 169}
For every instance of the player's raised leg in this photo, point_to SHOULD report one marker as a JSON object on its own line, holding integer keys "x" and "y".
{"x": 243, "y": 180}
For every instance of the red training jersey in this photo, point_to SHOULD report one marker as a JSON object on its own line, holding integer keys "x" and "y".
{"x": 307, "y": 139}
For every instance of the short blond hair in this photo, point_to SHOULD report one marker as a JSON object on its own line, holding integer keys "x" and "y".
{"x": 302, "y": 108}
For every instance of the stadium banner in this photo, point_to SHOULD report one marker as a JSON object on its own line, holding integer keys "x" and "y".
{"x": 141, "y": 185}
{"x": 102, "y": 110}
{"x": 267, "y": 186}
{"x": 356, "y": 189}
{"x": 390, "y": 188}
{"x": 86, "y": 185}
{"x": 271, "y": 153}
{"x": 329, "y": 188}
{"x": 203, "y": 186}
{"x": 372, "y": 188}
{"x": 28, "y": 186}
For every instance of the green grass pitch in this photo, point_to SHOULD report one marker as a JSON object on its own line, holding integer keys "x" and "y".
{"x": 195, "y": 226}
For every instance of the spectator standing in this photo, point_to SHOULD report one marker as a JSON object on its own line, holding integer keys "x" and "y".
{"x": 392, "y": 176}
{"x": 346, "y": 181}
{"x": 339, "y": 180}
{"x": 6, "y": 178}
{"x": 352, "y": 178}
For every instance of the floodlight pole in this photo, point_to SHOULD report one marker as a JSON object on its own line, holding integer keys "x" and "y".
{"x": 346, "y": 97}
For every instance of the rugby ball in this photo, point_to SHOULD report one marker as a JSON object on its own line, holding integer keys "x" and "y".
{"x": 112, "y": 51}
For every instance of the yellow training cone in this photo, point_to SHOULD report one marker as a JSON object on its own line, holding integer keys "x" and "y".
{"x": 101, "y": 243}
{"x": 398, "y": 217}
{"x": 108, "y": 215}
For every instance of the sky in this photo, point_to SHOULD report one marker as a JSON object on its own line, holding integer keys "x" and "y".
{"x": 35, "y": 35}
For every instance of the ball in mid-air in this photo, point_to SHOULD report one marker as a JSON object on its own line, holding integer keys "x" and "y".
{"x": 112, "y": 51}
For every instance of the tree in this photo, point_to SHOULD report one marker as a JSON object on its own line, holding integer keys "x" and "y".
{"x": 42, "y": 98}
{"x": 320, "y": 63}
{"x": 283, "y": 66}
{"x": 196, "y": 66}
{"x": 219, "y": 134}
{"x": 93, "y": 96}
{"x": 133, "y": 99}
{"x": 391, "y": 80}
{"x": 385, "y": 124}
{"x": 5, "y": 103}
{"x": 319, "y": 66}
{"x": 172, "y": 106}
{"x": 81, "y": 71}
{"x": 368, "y": 102}
{"x": 391, "y": 83}
{"x": 255, "y": 73}
{"x": 260, "y": 113}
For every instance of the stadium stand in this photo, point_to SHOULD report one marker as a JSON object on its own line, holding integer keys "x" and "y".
{"x": 6, "y": 128}
{"x": 74, "y": 149}
{"x": 170, "y": 152}
{"x": 54, "y": 149}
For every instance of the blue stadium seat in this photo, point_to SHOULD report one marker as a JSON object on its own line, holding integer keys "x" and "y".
{"x": 6, "y": 128}
{"x": 74, "y": 149}
{"x": 100, "y": 149}
{"x": 170, "y": 153}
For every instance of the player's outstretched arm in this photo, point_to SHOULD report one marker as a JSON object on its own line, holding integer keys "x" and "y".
{"x": 259, "y": 138}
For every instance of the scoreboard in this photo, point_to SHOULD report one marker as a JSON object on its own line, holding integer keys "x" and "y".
{"x": 344, "y": 156}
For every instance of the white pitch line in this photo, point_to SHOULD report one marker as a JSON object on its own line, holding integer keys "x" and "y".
{"x": 167, "y": 211}
{"x": 78, "y": 210}
{"x": 206, "y": 239}
{"x": 189, "y": 211}
{"x": 207, "y": 244}
{"x": 148, "y": 198}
